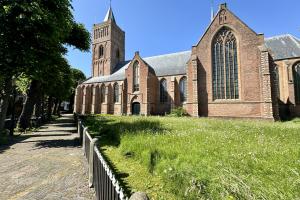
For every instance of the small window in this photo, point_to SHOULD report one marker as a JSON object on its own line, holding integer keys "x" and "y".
{"x": 183, "y": 90}
{"x": 163, "y": 91}
{"x": 296, "y": 73}
{"x": 116, "y": 93}
{"x": 101, "y": 51}
{"x": 136, "y": 77}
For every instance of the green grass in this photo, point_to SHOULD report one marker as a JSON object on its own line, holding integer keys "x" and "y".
{"x": 189, "y": 158}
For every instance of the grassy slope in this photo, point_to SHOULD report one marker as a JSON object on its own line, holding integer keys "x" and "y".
{"x": 188, "y": 158}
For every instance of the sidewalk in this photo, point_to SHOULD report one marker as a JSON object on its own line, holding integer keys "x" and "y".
{"x": 47, "y": 164}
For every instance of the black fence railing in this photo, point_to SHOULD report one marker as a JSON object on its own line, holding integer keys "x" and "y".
{"x": 106, "y": 186}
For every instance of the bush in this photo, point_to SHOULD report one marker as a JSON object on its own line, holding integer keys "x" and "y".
{"x": 178, "y": 112}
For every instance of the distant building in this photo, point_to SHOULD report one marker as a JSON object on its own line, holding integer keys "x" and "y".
{"x": 231, "y": 72}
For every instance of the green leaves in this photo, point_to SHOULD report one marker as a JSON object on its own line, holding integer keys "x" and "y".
{"x": 23, "y": 83}
{"x": 6, "y": 9}
{"x": 79, "y": 37}
{"x": 32, "y": 35}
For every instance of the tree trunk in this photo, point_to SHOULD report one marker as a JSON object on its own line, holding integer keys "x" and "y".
{"x": 58, "y": 108}
{"x": 31, "y": 99}
{"x": 43, "y": 107}
{"x": 49, "y": 109}
{"x": 38, "y": 107}
{"x": 4, "y": 102}
{"x": 54, "y": 112}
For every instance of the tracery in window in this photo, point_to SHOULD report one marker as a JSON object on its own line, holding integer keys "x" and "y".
{"x": 163, "y": 91}
{"x": 136, "y": 77}
{"x": 116, "y": 93}
{"x": 183, "y": 89}
{"x": 296, "y": 73}
{"x": 225, "y": 65}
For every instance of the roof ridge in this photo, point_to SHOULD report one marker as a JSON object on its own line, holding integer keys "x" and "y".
{"x": 216, "y": 15}
{"x": 168, "y": 54}
{"x": 279, "y": 36}
{"x": 295, "y": 39}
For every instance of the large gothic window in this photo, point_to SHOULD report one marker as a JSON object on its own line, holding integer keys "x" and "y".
{"x": 116, "y": 93}
{"x": 183, "y": 89}
{"x": 136, "y": 76}
{"x": 163, "y": 91}
{"x": 296, "y": 73}
{"x": 102, "y": 93}
{"x": 101, "y": 51}
{"x": 225, "y": 65}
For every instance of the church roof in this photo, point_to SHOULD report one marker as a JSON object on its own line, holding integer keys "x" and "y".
{"x": 109, "y": 15}
{"x": 163, "y": 65}
{"x": 283, "y": 46}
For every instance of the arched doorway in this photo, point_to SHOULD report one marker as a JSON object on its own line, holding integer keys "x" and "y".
{"x": 136, "y": 108}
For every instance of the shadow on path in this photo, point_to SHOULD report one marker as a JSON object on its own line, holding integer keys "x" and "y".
{"x": 61, "y": 127}
{"x": 57, "y": 143}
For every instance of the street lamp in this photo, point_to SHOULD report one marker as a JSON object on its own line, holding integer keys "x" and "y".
{"x": 12, "y": 120}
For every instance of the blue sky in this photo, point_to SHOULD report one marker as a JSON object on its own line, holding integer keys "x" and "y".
{"x": 156, "y": 27}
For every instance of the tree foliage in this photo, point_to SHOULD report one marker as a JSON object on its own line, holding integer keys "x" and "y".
{"x": 77, "y": 78}
{"x": 33, "y": 39}
{"x": 33, "y": 33}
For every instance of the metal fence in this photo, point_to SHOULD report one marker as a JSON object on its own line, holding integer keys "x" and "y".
{"x": 101, "y": 177}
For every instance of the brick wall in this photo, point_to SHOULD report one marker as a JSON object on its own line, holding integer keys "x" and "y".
{"x": 250, "y": 80}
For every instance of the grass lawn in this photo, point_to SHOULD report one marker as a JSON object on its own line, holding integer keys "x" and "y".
{"x": 189, "y": 158}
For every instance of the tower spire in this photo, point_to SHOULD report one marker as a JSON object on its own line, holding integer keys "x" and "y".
{"x": 212, "y": 14}
{"x": 109, "y": 15}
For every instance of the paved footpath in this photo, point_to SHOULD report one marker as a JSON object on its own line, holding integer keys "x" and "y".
{"x": 47, "y": 164}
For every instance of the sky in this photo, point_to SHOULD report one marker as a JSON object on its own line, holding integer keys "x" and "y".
{"x": 155, "y": 27}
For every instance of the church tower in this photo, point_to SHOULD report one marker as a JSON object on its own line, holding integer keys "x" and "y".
{"x": 108, "y": 46}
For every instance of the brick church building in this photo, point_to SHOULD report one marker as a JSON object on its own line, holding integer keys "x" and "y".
{"x": 230, "y": 72}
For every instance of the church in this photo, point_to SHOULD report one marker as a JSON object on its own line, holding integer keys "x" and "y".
{"x": 231, "y": 72}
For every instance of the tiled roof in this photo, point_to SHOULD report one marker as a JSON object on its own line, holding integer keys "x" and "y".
{"x": 283, "y": 46}
{"x": 163, "y": 65}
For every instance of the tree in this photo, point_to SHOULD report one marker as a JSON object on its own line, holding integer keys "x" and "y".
{"x": 32, "y": 38}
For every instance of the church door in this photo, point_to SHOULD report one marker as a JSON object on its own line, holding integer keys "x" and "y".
{"x": 136, "y": 108}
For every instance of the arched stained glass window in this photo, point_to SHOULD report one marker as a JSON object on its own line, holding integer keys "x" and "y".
{"x": 296, "y": 73}
{"x": 225, "y": 66}
{"x": 183, "y": 89}
{"x": 136, "y": 77}
{"x": 102, "y": 93}
{"x": 163, "y": 91}
{"x": 116, "y": 93}
{"x": 101, "y": 51}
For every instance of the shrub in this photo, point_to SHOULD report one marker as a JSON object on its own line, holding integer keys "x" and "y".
{"x": 178, "y": 112}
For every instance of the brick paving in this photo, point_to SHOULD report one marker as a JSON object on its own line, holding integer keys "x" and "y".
{"x": 46, "y": 164}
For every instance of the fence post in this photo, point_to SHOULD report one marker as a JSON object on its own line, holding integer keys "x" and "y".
{"x": 83, "y": 139}
{"x": 91, "y": 164}
{"x": 78, "y": 129}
